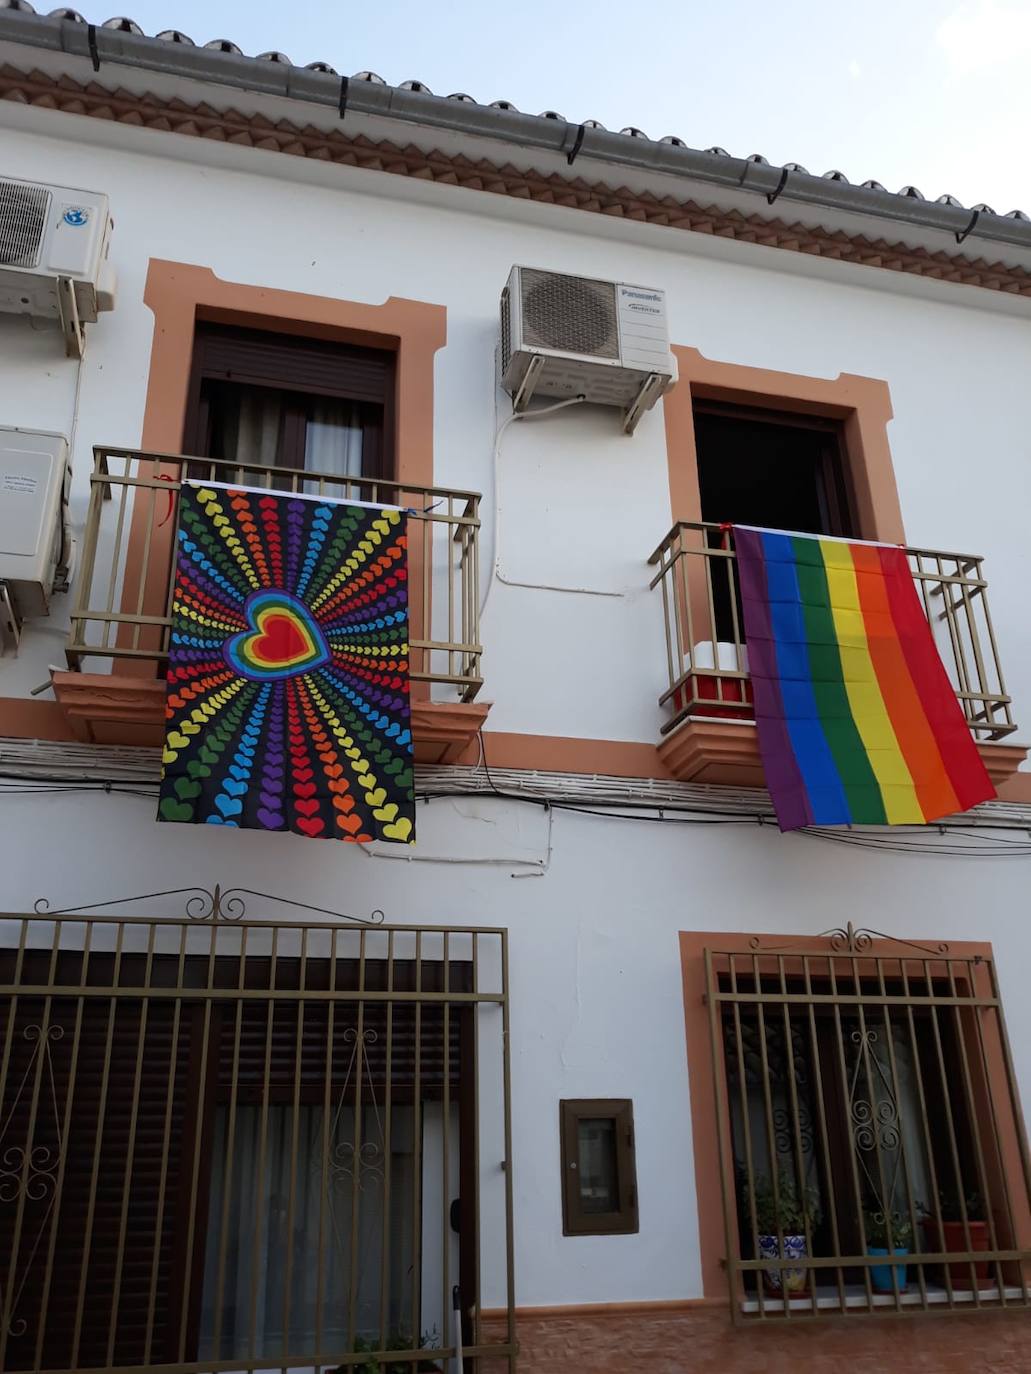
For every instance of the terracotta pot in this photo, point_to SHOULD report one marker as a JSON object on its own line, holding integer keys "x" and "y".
{"x": 954, "y": 1237}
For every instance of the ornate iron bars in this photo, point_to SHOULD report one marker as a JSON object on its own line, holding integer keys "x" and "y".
{"x": 206, "y": 904}
{"x": 874, "y": 1157}
{"x": 237, "y": 1145}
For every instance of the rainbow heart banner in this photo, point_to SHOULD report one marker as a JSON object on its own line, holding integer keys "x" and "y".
{"x": 287, "y": 704}
{"x": 858, "y": 723}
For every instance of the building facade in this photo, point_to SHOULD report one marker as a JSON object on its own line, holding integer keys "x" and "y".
{"x": 552, "y": 1083}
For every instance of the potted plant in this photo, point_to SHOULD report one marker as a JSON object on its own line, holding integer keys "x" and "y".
{"x": 787, "y": 1210}
{"x": 888, "y": 1233}
{"x": 395, "y": 1341}
{"x": 953, "y": 1235}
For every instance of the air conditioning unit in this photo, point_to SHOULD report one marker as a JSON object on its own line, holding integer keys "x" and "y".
{"x": 34, "y": 545}
{"x": 54, "y": 244}
{"x": 570, "y": 336}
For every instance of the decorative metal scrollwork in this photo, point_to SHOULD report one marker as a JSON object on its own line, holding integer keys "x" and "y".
{"x": 210, "y": 904}
{"x": 784, "y": 1122}
{"x": 850, "y": 939}
{"x": 28, "y": 1170}
{"x": 876, "y": 1128}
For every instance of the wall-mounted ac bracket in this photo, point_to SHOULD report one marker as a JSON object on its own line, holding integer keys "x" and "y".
{"x": 642, "y": 401}
{"x": 524, "y": 395}
{"x": 10, "y": 622}
{"x": 71, "y": 325}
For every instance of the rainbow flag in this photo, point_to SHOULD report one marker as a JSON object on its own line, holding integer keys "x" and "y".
{"x": 858, "y": 723}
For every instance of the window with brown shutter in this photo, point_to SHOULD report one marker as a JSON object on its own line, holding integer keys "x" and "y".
{"x": 283, "y": 400}
{"x": 228, "y": 1155}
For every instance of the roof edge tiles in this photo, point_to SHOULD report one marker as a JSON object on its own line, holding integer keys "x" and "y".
{"x": 176, "y": 116}
{"x": 120, "y": 41}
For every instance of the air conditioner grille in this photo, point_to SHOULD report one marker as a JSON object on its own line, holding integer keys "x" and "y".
{"x": 569, "y": 314}
{"x": 506, "y": 330}
{"x": 23, "y": 218}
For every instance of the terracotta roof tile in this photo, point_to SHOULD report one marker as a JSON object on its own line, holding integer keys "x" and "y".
{"x": 630, "y": 131}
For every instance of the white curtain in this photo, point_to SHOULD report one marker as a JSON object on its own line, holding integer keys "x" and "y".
{"x": 333, "y": 439}
{"x": 252, "y": 430}
{"x": 897, "y": 1125}
{"x": 260, "y": 1243}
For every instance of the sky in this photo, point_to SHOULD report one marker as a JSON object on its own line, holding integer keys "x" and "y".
{"x": 931, "y": 93}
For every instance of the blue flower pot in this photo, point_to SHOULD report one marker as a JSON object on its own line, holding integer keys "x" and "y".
{"x": 880, "y": 1274}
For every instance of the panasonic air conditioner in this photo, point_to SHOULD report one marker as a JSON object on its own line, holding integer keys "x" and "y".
{"x": 571, "y": 336}
{"x": 54, "y": 244}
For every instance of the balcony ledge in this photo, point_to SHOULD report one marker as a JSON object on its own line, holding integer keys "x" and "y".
{"x": 104, "y": 708}
{"x": 726, "y": 752}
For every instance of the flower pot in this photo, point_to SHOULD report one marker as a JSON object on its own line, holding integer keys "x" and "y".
{"x": 953, "y": 1236}
{"x": 880, "y": 1274}
{"x": 791, "y": 1282}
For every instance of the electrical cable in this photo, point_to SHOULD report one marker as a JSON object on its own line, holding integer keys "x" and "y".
{"x": 495, "y": 574}
{"x": 936, "y": 839}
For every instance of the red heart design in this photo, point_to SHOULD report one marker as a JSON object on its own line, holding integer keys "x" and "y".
{"x": 304, "y": 789}
{"x": 306, "y": 808}
{"x": 303, "y": 774}
{"x": 268, "y": 503}
{"x": 312, "y": 827}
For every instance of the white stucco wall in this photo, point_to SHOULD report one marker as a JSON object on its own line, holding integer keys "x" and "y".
{"x": 595, "y": 977}
{"x": 581, "y": 505}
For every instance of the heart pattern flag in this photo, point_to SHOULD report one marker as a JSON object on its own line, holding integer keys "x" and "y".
{"x": 287, "y": 704}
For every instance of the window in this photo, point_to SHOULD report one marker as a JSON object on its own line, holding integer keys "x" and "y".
{"x": 276, "y": 400}
{"x": 861, "y": 1120}
{"x": 762, "y": 467}
{"x": 781, "y": 471}
{"x": 599, "y": 1181}
{"x": 247, "y": 1141}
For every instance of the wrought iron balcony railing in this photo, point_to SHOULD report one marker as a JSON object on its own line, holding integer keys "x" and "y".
{"x": 706, "y": 656}
{"x": 121, "y": 606}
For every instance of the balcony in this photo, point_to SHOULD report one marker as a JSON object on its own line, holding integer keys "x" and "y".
{"x": 121, "y": 606}
{"x": 708, "y": 732}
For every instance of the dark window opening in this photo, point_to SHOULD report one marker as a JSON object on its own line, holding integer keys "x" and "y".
{"x": 779, "y": 471}
{"x": 275, "y": 400}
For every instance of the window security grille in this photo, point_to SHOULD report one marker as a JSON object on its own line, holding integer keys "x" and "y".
{"x": 874, "y": 1156}
{"x": 246, "y": 1145}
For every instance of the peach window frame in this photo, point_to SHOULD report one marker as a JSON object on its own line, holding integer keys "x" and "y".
{"x": 181, "y": 295}
{"x": 703, "y": 1056}
{"x": 861, "y": 404}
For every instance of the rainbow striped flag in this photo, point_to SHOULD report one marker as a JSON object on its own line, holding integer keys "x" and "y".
{"x": 858, "y": 722}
